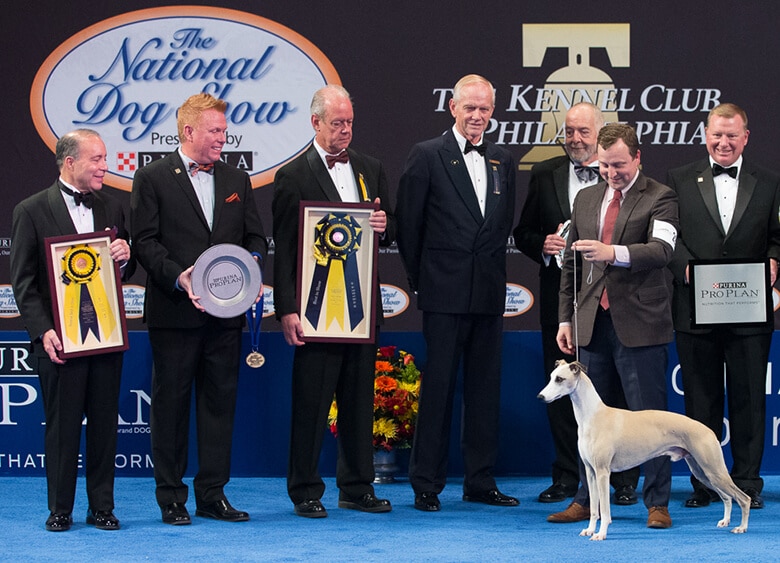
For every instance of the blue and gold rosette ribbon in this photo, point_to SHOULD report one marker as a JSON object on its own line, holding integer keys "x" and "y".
{"x": 86, "y": 305}
{"x": 336, "y": 281}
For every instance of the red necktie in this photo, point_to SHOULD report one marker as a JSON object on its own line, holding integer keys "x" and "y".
{"x": 195, "y": 168}
{"x": 606, "y": 234}
{"x": 342, "y": 157}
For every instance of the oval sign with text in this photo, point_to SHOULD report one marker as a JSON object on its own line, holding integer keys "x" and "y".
{"x": 126, "y": 76}
{"x": 518, "y": 300}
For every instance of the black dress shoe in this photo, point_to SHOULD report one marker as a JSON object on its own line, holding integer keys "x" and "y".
{"x": 367, "y": 503}
{"x": 176, "y": 514}
{"x": 59, "y": 522}
{"x": 102, "y": 519}
{"x": 221, "y": 510}
{"x": 755, "y": 498}
{"x": 699, "y": 498}
{"x": 427, "y": 502}
{"x": 493, "y": 497}
{"x": 556, "y": 493}
{"x": 625, "y": 495}
{"x": 311, "y": 508}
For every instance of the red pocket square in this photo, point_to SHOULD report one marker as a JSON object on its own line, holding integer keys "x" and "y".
{"x": 233, "y": 197}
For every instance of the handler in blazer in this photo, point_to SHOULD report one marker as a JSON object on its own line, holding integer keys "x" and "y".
{"x": 622, "y": 334}
{"x": 328, "y": 171}
{"x": 736, "y": 217}
{"x": 76, "y": 387}
{"x": 551, "y": 190}
{"x": 455, "y": 211}
{"x": 178, "y": 211}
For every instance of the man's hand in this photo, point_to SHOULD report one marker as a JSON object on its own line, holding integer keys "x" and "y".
{"x": 119, "y": 250}
{"x": 52, "y": 345}
{"x": 378, "y": 219}
{"x": 185, "y": 282}
{"x": 292, "y": 329}
{"x": 595, "y": 251}
{"x": 565, "y": 342}
{"x": 554, "y": 243}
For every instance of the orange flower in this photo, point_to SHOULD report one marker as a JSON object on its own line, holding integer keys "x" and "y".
{"x": 396, "y": 396}
{"x": 382, "y": 366}
{"x": 385, "y": 384}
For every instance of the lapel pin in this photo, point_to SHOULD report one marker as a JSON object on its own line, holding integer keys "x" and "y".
{"x": 454, "y": 162}
{"x": 699, "y": 179}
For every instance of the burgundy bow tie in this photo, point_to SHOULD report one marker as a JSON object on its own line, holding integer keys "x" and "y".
{"x": 87, "y": 198}
{"x": 342, "y": 157}
{"x": 195, "y": 168}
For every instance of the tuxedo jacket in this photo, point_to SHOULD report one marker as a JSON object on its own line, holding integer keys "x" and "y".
{"x": 640, "y": 296}
{"x": 307, "y": 179}
{"x": 546, "y": 206}
{"x": 754, "y": 232}
{"x": 455, "y": 257}
{"x": 170, "y": 232}
{"x": 46, "y": 215}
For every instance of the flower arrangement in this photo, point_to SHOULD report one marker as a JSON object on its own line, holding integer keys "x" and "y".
{"x": 396, "y": 397}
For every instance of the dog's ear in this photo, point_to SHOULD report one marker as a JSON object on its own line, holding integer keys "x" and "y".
{"x": 560, "y": 362}
{"x": 576, "y": 368}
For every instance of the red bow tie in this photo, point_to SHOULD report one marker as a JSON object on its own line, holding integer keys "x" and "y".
{"x": 195, "y": 168}
{"x": 342, "y": 157}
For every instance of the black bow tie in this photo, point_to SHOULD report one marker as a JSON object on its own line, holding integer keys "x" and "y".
{"x": 87, "y": 198}
{"x": 586, "y": 173}
{"x": 717, "y": 170}
{"x": 479, "y": 148}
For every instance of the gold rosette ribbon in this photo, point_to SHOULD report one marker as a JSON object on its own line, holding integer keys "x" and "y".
{"x": 335, "y": 281}
{"x": 86, "y": 305}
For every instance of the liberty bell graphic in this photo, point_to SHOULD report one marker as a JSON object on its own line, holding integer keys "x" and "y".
{"x": 577, "y": 82}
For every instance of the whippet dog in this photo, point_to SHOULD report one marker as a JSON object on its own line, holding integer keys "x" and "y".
{"x": 611, "y": 439}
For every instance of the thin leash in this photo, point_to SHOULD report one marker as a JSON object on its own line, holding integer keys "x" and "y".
{"x": 576, "y": 306}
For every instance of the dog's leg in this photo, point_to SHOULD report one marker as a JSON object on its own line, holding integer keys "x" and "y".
{"x": 594, "y": 498}
{"x": 602, "y": 492}
{"x": 716, "y": 477}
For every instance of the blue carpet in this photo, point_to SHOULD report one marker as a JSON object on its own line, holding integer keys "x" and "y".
{"x": 460, "y": 532}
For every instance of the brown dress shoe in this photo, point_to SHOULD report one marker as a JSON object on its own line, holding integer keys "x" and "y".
{"x": 658, "y": 517}
{"x": 574, "y": 513}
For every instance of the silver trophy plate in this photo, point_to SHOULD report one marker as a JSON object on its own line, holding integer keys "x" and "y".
{"x": 228, "y": 280}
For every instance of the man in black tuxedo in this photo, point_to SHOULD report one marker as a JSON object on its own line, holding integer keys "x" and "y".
{"x": 76, "y": 387}
{"x": 328, "y": 171}
{"x": 551, "y": 190}
{"x": 455, "y": 209}
{"x": 728, "y": 209}
{"x": 180, "y": 206}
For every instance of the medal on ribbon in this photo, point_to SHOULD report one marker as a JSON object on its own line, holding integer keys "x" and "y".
{"x": 86, "y": 305}
{"x": 336, "y": 281}
{"x": 253, "y": 317}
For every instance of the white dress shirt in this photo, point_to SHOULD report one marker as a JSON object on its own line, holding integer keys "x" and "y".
{"x": 475, "y": 164}
{"x": 342, "y": 175}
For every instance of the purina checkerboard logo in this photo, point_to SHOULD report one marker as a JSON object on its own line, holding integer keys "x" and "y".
{"x": 126, "y": 76}
{"x": 126, "y": 162}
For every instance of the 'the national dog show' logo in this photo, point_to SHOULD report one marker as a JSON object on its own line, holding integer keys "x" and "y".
{"x": 126, "y": 76}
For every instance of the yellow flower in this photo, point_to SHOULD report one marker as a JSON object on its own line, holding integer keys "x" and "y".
{"x": 385, "y": 427}
{"x": 333, "y": 413}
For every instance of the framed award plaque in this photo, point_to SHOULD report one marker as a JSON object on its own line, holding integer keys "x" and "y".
{"x": 730, "y": 293}
{"x": 337, "y": 251}
{"x": 86, "y": 294}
